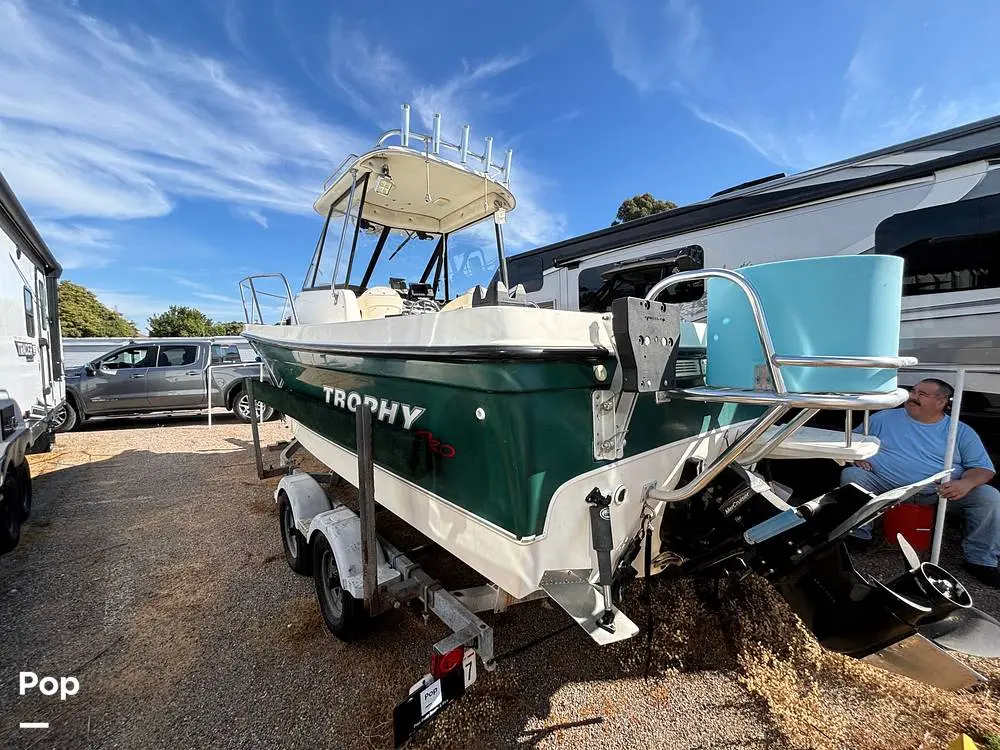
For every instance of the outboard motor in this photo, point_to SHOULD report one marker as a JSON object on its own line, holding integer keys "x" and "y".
{"x": 742, "y": 523}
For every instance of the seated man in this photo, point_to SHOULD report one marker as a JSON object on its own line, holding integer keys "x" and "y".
{"x": 912, "y": 447}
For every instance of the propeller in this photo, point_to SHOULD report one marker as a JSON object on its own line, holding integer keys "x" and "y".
{"x": 912, "y": 558}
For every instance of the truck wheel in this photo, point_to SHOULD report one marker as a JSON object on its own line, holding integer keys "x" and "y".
{"x": 10, "y": 514}
{"x": 23, "y": 476}
{"x": 297, "y": 552}
{"x": 342, "y": 613}
{"x": 241, "y": 408}
{"x": 66, "y": 418}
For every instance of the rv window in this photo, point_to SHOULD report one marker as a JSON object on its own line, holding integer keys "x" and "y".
{"x": 29, "y": 313}
{"x": 952, "y": 264}
{"x": 601, "y": 285}
{"x": 527, "y": 271}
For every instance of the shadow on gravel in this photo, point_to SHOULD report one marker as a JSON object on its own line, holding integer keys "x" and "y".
{"x": 157, "y": 579}
{"x": 167, "y": 420}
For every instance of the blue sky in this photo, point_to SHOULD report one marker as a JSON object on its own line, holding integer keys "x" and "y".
{"x": 164, "y": 149}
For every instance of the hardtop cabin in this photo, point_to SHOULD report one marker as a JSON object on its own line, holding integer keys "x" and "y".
{"x": 404, "y": 201}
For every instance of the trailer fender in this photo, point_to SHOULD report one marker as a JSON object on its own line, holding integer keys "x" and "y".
{"x": 342, "y": 529}
{"x": 306, "y": 497}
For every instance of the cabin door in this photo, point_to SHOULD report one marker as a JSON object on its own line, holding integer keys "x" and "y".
{"x": 41, "y": 314}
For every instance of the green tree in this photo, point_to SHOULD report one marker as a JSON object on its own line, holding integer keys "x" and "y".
{"x": 180, "y": 320}
{"x": 641, "y": 205}
{"x": 232, "y": 328}
{"x": 81, "y": 314}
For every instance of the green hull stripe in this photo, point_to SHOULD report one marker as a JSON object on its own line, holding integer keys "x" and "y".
{"x": 496, "y": 439}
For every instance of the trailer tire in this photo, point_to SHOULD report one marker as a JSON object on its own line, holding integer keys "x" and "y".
{"x": 343, "y": 614}
{"x": 10, "y": 513}
{"x": 23, "y": 476}
{"x": 297, "y": 552}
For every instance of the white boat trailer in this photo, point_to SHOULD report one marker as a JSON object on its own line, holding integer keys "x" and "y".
{"x": 373, "y": 572}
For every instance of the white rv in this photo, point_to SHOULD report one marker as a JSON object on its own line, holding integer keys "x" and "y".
{"x": 32, "y": 387}
{"x": 935, "y": 201}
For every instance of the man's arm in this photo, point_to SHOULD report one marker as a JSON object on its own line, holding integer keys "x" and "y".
{"x": 874, "y": 428}
{"x": 976, "y": 461}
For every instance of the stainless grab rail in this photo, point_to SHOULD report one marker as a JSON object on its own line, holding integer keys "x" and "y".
{"x": 778, "y": 400}
{"x": 860, "y": 401}
{"x": 755, "y": 305}
{"x": 289, "y": 300}
{"x": 887, "y": 363}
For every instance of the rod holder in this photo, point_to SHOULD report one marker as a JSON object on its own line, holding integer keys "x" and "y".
{"x": 436, "y": 135}
{"x": 404, "y": 133}
{"x": 464, "y": 148}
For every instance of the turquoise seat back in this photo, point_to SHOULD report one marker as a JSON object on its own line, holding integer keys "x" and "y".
{"x": 845, "y": 305}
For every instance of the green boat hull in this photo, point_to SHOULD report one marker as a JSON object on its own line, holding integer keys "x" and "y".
{"x": 495, "y": 437}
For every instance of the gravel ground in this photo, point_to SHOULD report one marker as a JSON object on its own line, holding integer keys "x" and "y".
{"x": 152, "y": 571}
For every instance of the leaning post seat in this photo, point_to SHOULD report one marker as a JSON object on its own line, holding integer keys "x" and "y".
{"x": 839, "y": 306}
{"x": 323, "y": 306}
{"x": 809, "y": 334}
{"x": 379, "y": 302}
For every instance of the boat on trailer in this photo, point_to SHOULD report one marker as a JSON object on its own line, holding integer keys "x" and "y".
{"x": 563, "y": 453}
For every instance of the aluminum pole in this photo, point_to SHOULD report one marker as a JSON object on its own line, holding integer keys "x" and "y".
{"x": 949, "y": 455}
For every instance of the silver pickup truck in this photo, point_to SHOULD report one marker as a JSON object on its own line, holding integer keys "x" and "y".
{"x": 148, "y": 376}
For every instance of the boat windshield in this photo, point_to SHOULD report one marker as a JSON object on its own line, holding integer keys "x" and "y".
{"x": 358, "y": 254}
{"x": 332, "y": 239}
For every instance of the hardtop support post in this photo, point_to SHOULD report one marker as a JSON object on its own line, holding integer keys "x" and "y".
{"x": 501, "y": 253}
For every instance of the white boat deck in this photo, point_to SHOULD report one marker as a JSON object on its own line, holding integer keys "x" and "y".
{"x": 816, "y": 442}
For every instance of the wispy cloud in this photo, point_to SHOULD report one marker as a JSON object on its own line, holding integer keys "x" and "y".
{"x": 369, "y": 74}
{"x": 656, "y": 46}
{"x": 810, "y": 101}
{"x": 255, "y": 215}
{"x": 80, "y": 246}
{"x": 96, "y": 122}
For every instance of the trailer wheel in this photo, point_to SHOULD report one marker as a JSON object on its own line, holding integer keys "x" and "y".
{"x": 342, "y": 613}
{"x": 297, "y": 552}
{"x": 10, "y": 513}
{"x": 23, "y": 476}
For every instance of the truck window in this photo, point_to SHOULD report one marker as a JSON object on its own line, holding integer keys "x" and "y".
{"x": 29, "y": 313}
{"x": 225, "y": 354}
{"x": 177, "y": 355}
{"x": 137, "y": 356}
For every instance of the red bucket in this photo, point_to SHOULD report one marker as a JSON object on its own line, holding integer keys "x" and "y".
{"x": 914, "y": 522}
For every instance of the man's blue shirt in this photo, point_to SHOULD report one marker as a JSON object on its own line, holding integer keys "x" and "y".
{"x": 910, "y": 451}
